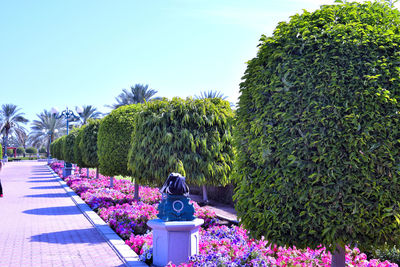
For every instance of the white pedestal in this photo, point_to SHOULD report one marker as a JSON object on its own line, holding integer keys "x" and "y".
{"x": 174, "y": 241}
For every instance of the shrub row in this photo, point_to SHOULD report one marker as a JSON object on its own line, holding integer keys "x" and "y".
{"x": 149, "y": 141}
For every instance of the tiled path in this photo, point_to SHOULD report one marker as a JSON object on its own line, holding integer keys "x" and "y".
{"x": 41, "y": 226}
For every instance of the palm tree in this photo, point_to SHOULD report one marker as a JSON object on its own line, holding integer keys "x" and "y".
{"x": 138, "y": 94}
{"x": 10, "y": 119}
{"x": 47, "y": 128}
{"x": 88, "y": 112}
{"x": 211, "y": 94}
{"x": 22, "y": 138}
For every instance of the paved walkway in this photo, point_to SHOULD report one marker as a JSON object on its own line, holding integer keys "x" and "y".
{"x": 41, "y": 226}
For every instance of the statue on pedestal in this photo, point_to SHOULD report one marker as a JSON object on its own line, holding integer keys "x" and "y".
{"x": 175, "y": 204}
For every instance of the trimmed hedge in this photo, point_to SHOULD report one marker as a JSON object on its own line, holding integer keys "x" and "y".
{"x": 20, "y": 150}
{"x": 317, "y": 135}
{"x": 31, "y": 150}
{"x": 57, "y": 148}
{"x": 88, "y": 143}
{"x": 114, "y": 138}
{"x": 192, "y": 137}
{"x": 68, "y": 146}
{"x": 77, "y": 149}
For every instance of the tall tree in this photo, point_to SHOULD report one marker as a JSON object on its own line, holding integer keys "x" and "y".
{"x": 205, "y": 95}
{"x": 138, "y": 94}
{"x": 10, "y": 119}
{"x": 47, "y": 127}
{"x": 88, "y": 112}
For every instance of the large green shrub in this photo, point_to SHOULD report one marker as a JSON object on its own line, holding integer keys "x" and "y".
{"x": 10, "y": 152}
{"x": 188, "y": 136}
{"x": 318, "y": 129}
{"x": 1, "y": 151}
{"x": 31, "y": 150}
{"x": 88, "y": 143}
{"x": 114, "y": 138}
{"x": 57, "y": 148}
{"x": 20, "y": 150}
{"x": 77, "y": 149}
{"x": 68, "y": 146}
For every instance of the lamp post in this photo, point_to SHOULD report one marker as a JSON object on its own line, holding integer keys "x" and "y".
{"x": 67, "y": 114}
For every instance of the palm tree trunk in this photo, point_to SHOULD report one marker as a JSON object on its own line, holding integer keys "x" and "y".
{"x": 5, "y": 143}
{"x": 97, "y": 172}
{"x": 111, "y": 181}
{"x": 87, "y": 173}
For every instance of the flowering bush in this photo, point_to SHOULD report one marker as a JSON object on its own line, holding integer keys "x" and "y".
{"x": 140, "y": 243}
{"x": 209, "y": 216}
{"x": 105, "y": 197}
{"x": 128, "y": 219}
{"x": 218, "y": 245}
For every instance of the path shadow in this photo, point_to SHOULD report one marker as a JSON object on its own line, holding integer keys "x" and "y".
{"x": 50, "y": 195}
{"x": 47, "y": 187}
{"x": 40, "y": 177}
{"x": 43, "y": 181}
{"x": 63, "y": 210}
{"x": 81, "y": 236}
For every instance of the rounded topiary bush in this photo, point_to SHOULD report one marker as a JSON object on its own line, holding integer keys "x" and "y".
{"x": 20, "y": 150}
{"x": 68, "y": 146}
{"x": 77, "y": 149}
{"x": 317, "y": 134}
{"x": 88, "y": 143}
{"x": 31, "y": 150}
{"x": 57, "y": 148}
{"x": 114, "y": 138}
{"x": 190, "y": 136}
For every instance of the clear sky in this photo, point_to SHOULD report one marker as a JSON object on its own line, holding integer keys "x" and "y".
{"x": 84, "y": 52}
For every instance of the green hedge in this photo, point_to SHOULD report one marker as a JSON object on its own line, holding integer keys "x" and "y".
{"x": 88, "y": 143}
{"x": 114, "y": 138}
{"x": 57, "y": 148}
{"x": 192, "y": 137}
{"x": 318, "y": 130}
{"x": 77, "y": 150}
{"x": 68, "y": 146}
{"x": 20, "y": 150}
{"x": 31, "y": 150}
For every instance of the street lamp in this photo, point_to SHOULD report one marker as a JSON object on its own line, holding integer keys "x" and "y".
{"x": 67, "y": 114}
{"x": 49, "y": 133}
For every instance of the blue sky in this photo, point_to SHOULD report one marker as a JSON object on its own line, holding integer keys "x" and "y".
{"x": 84, "y": 52}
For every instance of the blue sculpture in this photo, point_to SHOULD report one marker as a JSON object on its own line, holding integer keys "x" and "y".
{"x": 175, "y": 204}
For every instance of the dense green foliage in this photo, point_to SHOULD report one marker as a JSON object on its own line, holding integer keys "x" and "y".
{"x": 77, "y": 149}
{"x": 57, "y": 148}
{"x": 317, "y": 134}
{"x": 68, "y": 146}
{"x": 20, "y": 150}
{"x": 42, "y": 150}
{"x": 192, "y": 137}
{"x": 31, "y": 150}
{"x": 88, "y": 143}
{"x": 10, "y": 152}
{"x": 1, "y": 151}
{"x": 114, "y": 138}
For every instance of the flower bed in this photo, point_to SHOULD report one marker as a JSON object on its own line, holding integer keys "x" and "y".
{"x": 218, "y": 245}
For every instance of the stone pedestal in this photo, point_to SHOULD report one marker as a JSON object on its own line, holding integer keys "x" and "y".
{"x": 174, "y": 241}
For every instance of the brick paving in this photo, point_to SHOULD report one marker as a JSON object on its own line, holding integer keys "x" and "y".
{"x": 41, "y": 226}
